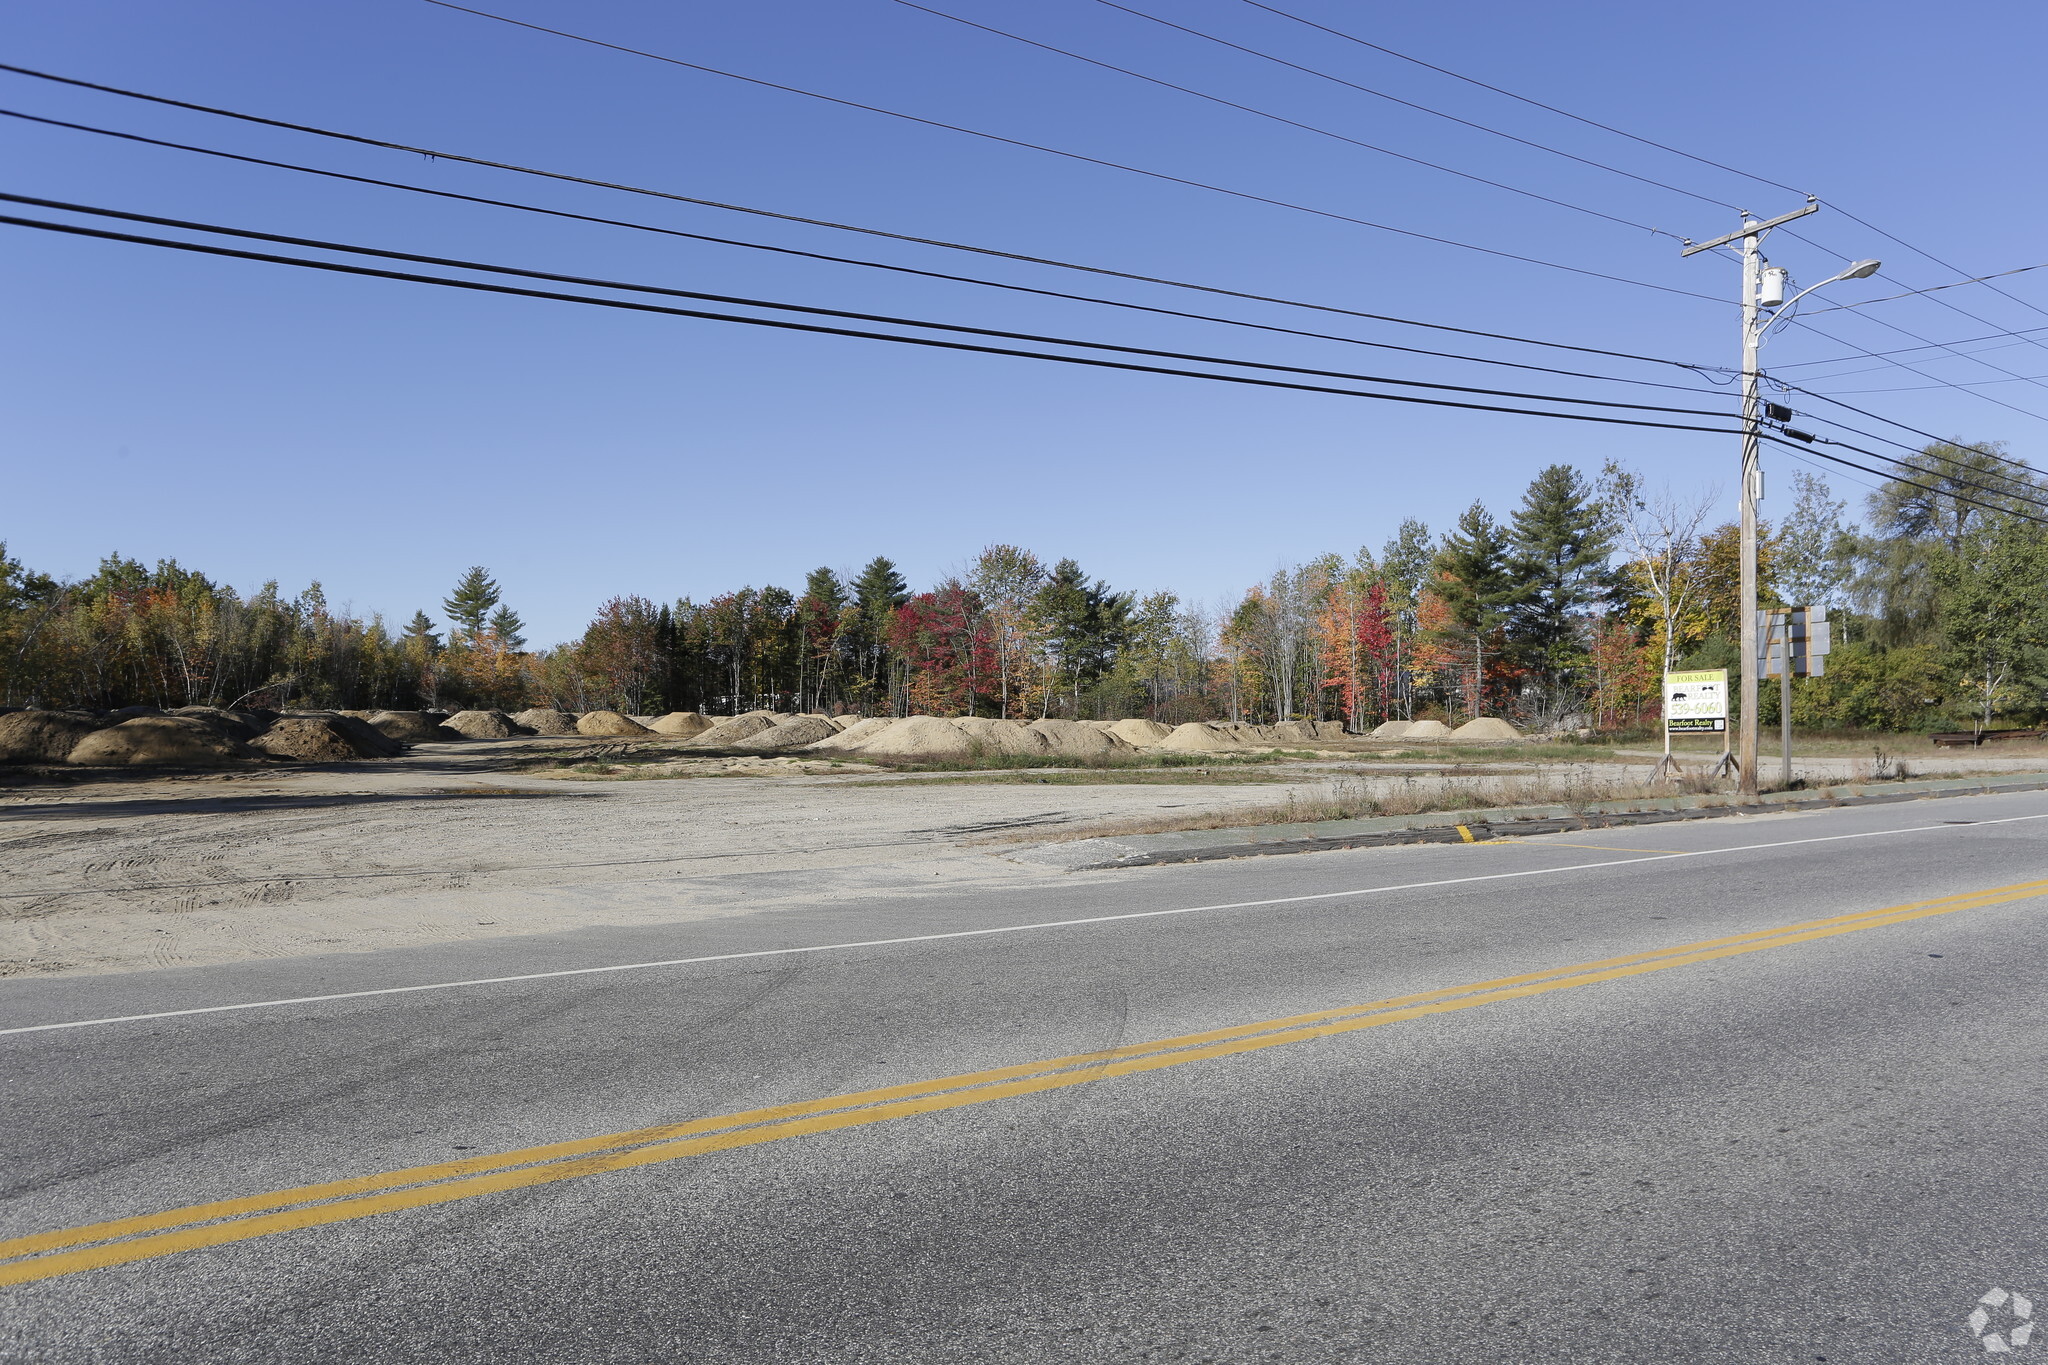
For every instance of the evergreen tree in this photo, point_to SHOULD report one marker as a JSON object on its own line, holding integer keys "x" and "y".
{"x": 420, "y": 636}
{"x": 506, "y": 627}
{"x": 877, "y": 594}
{"x": 822, "y": 586}
{"x": 469, "y": 606}
{"x": 1560, "y": 537}
{"x": 1085, "y": 624}
{"x": 1478, "y": 589}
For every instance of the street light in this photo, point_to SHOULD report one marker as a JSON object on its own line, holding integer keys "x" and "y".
{"x": 1757, "y": 297}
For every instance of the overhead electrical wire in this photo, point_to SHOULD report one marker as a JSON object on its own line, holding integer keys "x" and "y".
{"x": 839, "y": 260}
{"x": 1914, "y": 293}
{"x": 784, "y": 324}
{"x": 1906, "y": 350}
{"x": 815, "y": 311}
{"x": 1281, "y": 118}
{"x": 442, "y": 155}
{"x": 1246, "y": 195}
{"x": 1648, "y": 142}
{"x": 1524, "y": 99}
{"x": 1799, "y": 448}
{"x": 1411, "y": 104}
{"x": 1988, "y": 398}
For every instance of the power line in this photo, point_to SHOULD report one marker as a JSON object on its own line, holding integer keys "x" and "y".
{"x": 839, "y": 260}
{"x": 1999, "y": 402}
{"x": 1891, "y": 422}
{"x": 783, "y": 324}
{"x": 2035, "y": 308}
{"x": 1913, "y": 293}
{"x": 1953, "y": 384}
{"x": 1538, "y": 104}
{"x": 440, "y": 155}
{"x": 1410, "y": 104}
{"x": 1908, "y": 350}
{"x": 1280, "y": 118}
{"x": 814, "y": 311}
{"x": 1246, "y": 195}
{"x": 1928, "y": 488}
{"x": 786, "y": 325}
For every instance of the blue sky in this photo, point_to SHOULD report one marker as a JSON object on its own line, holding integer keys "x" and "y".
{"x": 259, "y": 422}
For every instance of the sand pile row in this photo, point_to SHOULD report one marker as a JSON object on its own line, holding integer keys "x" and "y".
{"x": 202, "y": 736}
{"x": 1483, "y": 729}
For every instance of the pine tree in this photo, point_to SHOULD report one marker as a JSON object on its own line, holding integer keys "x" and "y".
{"x": 506, "y": 627}
{"x": 822, "y": 586}
{"x": 1477, "y": 588}
{"x": 1561, "y": 537}
{"x": 470, "y": 604}
{"x": 420, "y": 636}
{"x": 877, "y": 594}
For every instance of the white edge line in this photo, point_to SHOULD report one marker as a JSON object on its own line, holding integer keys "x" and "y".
{"x": 983, "y": 933}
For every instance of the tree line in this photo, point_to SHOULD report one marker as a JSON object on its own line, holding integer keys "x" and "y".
{"x": 1560, "y": 611}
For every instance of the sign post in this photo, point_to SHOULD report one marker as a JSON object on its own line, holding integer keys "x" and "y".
{"x": 1695, "y": 703}
{"x": 1792, "y": 642}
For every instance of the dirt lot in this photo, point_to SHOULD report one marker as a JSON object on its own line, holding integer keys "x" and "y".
{"x": 110, "y": 871}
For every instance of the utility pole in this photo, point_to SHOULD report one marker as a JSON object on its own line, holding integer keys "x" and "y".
{"x": 1751, "y": 234}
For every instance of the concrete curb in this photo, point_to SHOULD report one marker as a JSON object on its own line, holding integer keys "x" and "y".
{"x": 1471, "y": 826}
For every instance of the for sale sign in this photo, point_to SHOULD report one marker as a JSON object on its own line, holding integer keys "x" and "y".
{"x": 1696, "y": 702}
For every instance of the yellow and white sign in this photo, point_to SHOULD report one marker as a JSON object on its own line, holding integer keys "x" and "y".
{"x": 1696, "y": 702}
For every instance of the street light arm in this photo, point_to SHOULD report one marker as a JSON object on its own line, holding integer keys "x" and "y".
{"x": 1862, "y": 270}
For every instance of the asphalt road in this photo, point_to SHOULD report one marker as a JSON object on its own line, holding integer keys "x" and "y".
{"x": 1576, "y": 1143}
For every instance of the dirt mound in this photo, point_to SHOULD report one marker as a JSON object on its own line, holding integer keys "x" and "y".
{"x": 43, "y": 736}
{"x": 1076, "y": 739}
{"x": 844, "y": 722}
{"x": 1487, "y": 727}
{"x": 1391, "y": 729}
{"x": 1141, "y": 733}
{"x": 608, "y": 723}
{"x": 737, "y": 728}
{"x": 856, "y": 735}
{"x": 242, "y": 725}
{"x": 791, "y": 734}
{"x": 1426, "y": 729}
{"x": 920, "y": 737}
{"x": 1202, "y": 738}
{"x": 543, "y": 720}
{"x": 368, "y": 740}
{"x": 131, "y": 712}
{"x": 482, "y": 724}
{"x": 993, "y": 736}
{"x": 172, "y": 740}
{"x": 308, "y": 739}
{"x": 684, "y": 723}
{"x": 412, "y": 727}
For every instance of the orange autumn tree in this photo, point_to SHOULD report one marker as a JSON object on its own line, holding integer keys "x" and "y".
{"x": 1355, "y": 638}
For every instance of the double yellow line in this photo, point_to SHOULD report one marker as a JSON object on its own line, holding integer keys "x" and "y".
{"x": 45, "y": 1255}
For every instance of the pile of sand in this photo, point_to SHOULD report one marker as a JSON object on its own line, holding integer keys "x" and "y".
{"x": 411, "y": 727}
{"x": 1392, "y": 729}
{"x": 916, "y": 737}
{"x": 794, "y": 733}
{"x": 1202, "y": 738}
{"x": 684, "y": 723}
{"x": 543, "y": 720}
{"x": 482, "y": 724}
{"x": 1141, "y": 733}
{"x": 736, "y": 728}
{"x": 987, "y": 735}
{"x": 43, "y": 736}
{"x": 843, "y": 722}
{"x": 131, "y": 712}
{"x": 148, "y": 740}
{"x": 235, "y": 724}
{"x": 608, "y": 723}
{"x": 1485, "y": 727}
{"x": 1426, "y": 729}
{"x": 857, "y": 735}
{"x": 314, "y": 739}
{"x": 1074, "y": 739}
